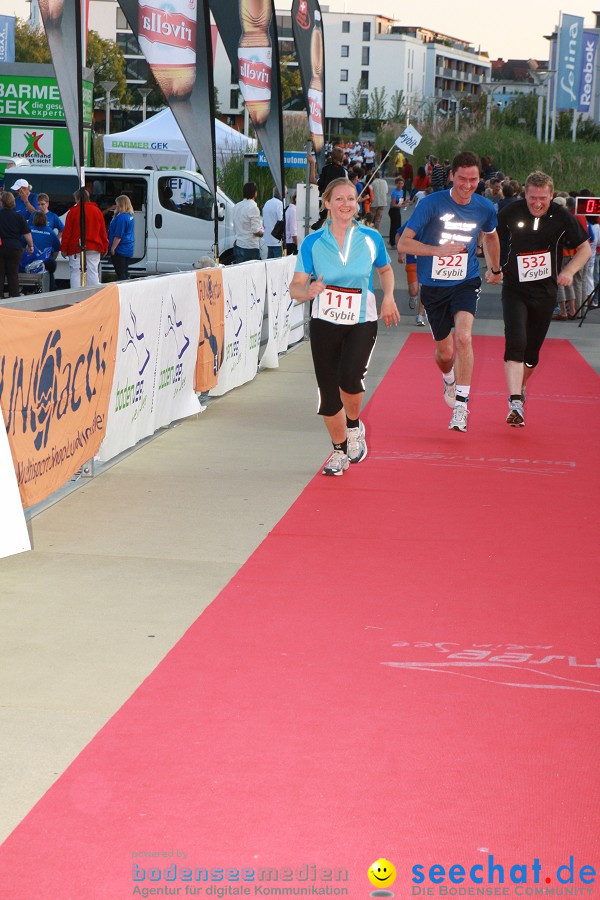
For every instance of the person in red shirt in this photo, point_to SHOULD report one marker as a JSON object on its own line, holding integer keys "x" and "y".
{"x": 96, "y": 239}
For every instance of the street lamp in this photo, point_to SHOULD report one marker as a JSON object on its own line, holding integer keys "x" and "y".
{"x": 108, "y": 86}
{"x": 144, "y": 92}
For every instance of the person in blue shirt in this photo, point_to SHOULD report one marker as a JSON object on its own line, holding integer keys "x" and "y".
{"x": 43, "y": 202}
{"x": 335, "y": 270}
{"x": 442, "y": 233}
{"x": 45, "y": 238}
{"x": 121, "y": 237}
{"x": 25, "y": 201}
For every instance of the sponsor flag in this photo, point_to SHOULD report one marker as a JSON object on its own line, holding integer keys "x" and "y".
{"x": 176, "y": 40}
{"x": 7, "y": 39}
{"x": 307, "y": 27}
{"x": 212, "y": 328}
{"x": 54, "y": 392}
{"x": 570, "y": 41}
{"x": 62, "y": 23}
{"x": 248, "y": 30}
{"x": 409, "y": 140}
{"x": 588, "y": 62}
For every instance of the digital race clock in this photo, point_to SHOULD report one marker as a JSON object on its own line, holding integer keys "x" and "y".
{"x": 587, "y": 206}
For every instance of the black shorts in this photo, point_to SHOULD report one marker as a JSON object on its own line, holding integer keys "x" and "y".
{"x": 341, "y": 355}
{"x": 526, "y": 322}
{"x": 442, "y": 303}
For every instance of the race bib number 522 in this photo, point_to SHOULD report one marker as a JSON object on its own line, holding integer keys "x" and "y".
{"x": 340, "y": 305}
{"x": 450, "y": 268}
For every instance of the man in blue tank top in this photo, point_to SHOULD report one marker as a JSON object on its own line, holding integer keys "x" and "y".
{"x": 442, "y": 233}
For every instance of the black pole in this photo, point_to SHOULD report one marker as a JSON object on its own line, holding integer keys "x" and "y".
{"x": 79, "y": 155}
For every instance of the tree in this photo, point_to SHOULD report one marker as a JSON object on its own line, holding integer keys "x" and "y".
{"x": 108, "y": 63}
{"x": 291, "y": 84}
{"x": 397, "y": 109}
{"x": 356, "y": 109}
{"x": 377, "y": 107}
{"x": 31, "y": 45}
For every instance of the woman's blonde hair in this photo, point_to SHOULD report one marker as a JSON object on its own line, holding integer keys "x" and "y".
{"x": 337, "y": 182}
{"x": 8, "y": 200}
{"x": 123, "y": 204}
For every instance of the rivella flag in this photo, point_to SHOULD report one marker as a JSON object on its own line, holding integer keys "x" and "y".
{"x": 570, "y": 42}
{"x": 588, "y": 63}
{"x": 60, "y": 24}
{"x": 307, "y": 27}
{"x": 248, "y": 30}
{"x": 176, "y": 40}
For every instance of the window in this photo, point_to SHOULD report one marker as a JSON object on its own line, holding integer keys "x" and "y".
{"x": 345, "y": 50}
{"x": 343, "y": 99}
{"x": 128, "y": 45}
{"x": 343, "y": 74}
{"x": 234, "y": 99}
{"x": 185, "y": 197}
{"x": 365, "y": 56}
{"x": 366, "y": 31}
{"x": 345, "y": 27}
{"x": 137, "y": 70}
{"x": 364, "y": 81}
{"x": 122, "y": 24}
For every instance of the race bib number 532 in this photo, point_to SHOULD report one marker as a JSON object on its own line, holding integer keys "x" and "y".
{"x": 534, "y": 266}
{"x": 340, "y": 305}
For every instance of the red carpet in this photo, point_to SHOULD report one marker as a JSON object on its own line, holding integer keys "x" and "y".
{"x": 406, "y": 668}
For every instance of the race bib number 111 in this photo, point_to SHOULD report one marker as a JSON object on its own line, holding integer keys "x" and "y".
{"x": 340, "y": 305}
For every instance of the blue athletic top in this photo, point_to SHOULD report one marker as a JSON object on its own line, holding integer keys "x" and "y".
{"x": 44, "y": 237}
{"x": 352, "y": 267}
{"x": 437, "y": 219}
{"x": 20, "y": 205}
{"x": 52, "y": 220}
{"x": 122, "y": 227}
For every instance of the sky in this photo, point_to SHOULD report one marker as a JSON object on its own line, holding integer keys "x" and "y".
{"x": 512, "y": 29}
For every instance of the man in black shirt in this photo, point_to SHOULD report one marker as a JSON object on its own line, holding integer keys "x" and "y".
{"x": 536, "y": 231}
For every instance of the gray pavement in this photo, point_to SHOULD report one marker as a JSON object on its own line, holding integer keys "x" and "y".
{"x": 121, "y": 567}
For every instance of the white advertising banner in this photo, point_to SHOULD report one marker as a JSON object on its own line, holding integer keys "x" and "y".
{"x": 244, "y": 286}
{"x": 14, "y": 537}
{"x": 279, "y": 309}
{"x": 153, "y": 383}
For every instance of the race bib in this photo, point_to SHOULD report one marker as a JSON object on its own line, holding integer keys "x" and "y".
{"x": 450, "y": 268}
{"x": 340, "y": 305}
{"x": 534, "y": 266}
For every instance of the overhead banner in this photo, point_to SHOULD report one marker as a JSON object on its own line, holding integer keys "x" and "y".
{"x": 248, "y": 30}
{"x": 176, "y": 40}
{"x": 212, "y": 328}
{"x": 279, "y": 309}
{"x": 570, "y": 42}
{"x": 56, "y": 373}
{"x": 588, "y": 64}
{"x": 7, "y": 39}
{"x": 245, "y": 286}
{"x": 153, "y": 383}
{"x": 61, "y": 19}
{"x": 307, "y": 27}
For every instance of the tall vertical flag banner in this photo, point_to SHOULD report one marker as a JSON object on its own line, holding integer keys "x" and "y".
{"x": 7, "y": 39}
{"x": 307, "y": 27}
{"x": 248, "y": 30}
{"x": 588, "y": 64}
{"x": 570, "y": 43}
{"x": 176, "y": 40}
{"x": 62, "y": 20}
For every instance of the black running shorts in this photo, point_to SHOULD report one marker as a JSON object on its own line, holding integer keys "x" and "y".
{"x": 341, "y": 355}
{"x": 526, "y": 323}
{"x": 442, "y": 303}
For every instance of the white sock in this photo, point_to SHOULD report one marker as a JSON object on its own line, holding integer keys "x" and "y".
{"x": 462, "y": 390}
{"x": 449, "y": 376}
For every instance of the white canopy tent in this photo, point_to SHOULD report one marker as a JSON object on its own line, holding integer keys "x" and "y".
{"x": 158, "y": 142}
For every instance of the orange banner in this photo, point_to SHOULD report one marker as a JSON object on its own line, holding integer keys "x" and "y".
{"x": 212, "y": 328}
{"x": 56, "y": 371}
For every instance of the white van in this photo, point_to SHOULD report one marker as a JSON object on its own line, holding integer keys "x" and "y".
{"x": 174, "y": 213}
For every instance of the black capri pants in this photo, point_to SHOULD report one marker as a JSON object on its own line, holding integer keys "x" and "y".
{"x": 341, "y": 355}
{"x": 526, "y": 323}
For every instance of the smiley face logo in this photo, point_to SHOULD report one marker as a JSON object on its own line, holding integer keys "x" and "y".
{"x": 382, "y": 873}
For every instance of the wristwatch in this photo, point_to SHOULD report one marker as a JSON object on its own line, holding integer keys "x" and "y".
{"x": 495, "y": 271}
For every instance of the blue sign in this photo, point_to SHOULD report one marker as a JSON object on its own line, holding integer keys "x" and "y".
{"x": 292, "y": 159}
{"x": 570, "y": 41}
{"x": 7, "y": 39}
{"x": 588, "y": 62}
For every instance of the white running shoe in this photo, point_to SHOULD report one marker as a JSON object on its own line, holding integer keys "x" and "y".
{"x": 337, "y": 463}
{"x": 515, "y": 415}
{"x": 458, "y": 422}
{"x": 450, "y": 394}
{"x": 357, "y": 445}
{"x": 420, "y": 320}
{"x": 412, "y": 301}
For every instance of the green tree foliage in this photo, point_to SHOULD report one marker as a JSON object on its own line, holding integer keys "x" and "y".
{"x": 291, "y": 84}
{"x": 377, "y": 107}
{"x": 31, "y": 45}
{"x": 397, "y": 110}
{"x": 108, "y": 63}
